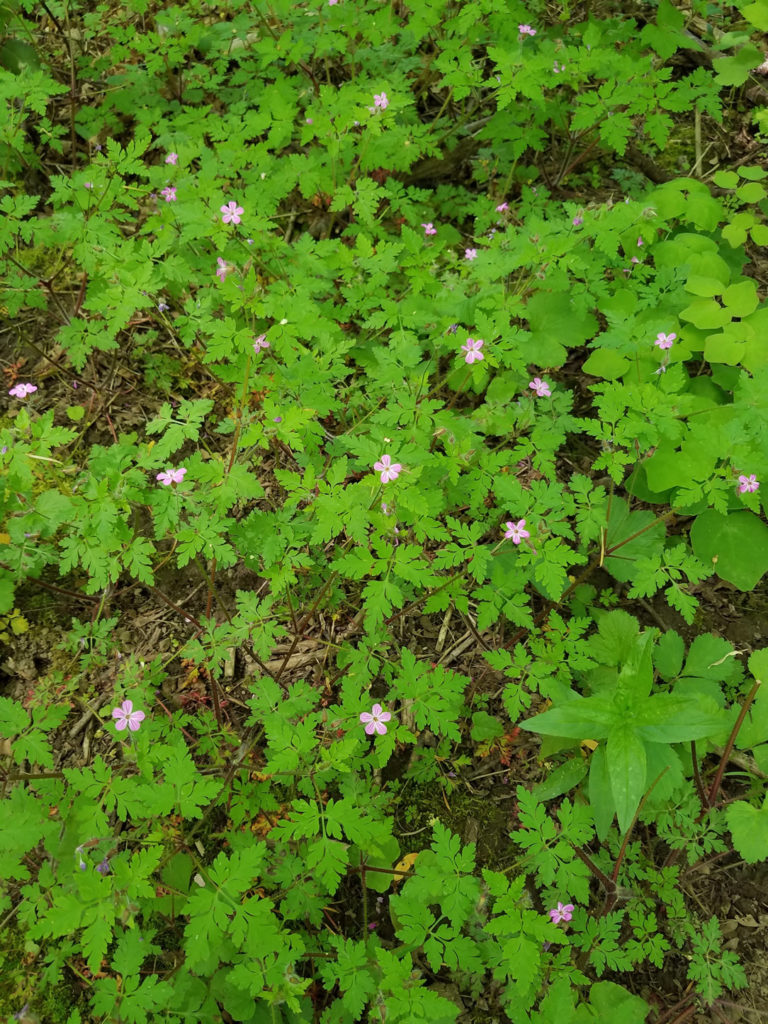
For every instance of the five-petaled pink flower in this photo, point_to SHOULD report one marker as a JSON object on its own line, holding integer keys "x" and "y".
{"x": 224, "y": 268}
{"x": 389, "y": 470}
{"x": 664, "y": 340}
{"x": 562, "y": 912}
{"x": 375, "y": 719}
{"x": 472, "y": 350}
{"x": 748, "y": 483}
{"x": 526, "y": 30}
{"x": 429, "y": 229}
{"x": 231, "y": 213}
{"x": 502, "y": 207}
{"x": 470, "y": 254}
{"x": 172, "y": 158}
{"x": 540, "y": 387}
{"x": 126, "y": 716}
{"x": 516, "y": 532}
{"x": 380, "y": 100}
{"x": 169, "y": 194}
{"x": 260, "y": 343}
{"x": 171, "y": 476}
{"x": 22, "y": 390}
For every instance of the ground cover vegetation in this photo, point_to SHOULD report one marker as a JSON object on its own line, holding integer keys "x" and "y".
{"x": 383, "y": 449}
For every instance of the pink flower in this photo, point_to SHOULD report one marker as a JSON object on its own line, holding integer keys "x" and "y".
{"x": 748, "y": 483}
{"x": 526, "y": 30}
{"x": 88, "y": 184}
{"x": 562, "y": 912}
{"x": 375, "y": 719}
{"x": 557, "y": 68}
{"x": 260, "y": 343}
{"x": 470, "y": 254}
{"x": 664, "y": 340}
{"x": 540, "y": 387}
{"x": 639, "y": 242}
{"x": 388, "y": 469}
{"x": 22, "y": 390}
{"x": 224, "y": 268}
{"x": 172, "y": 158}
{"x": 380, "y": 100}
{"x": 577, "y": 220}
{"x": 231, "y": 213}
{"x": 516, "y": 532}
{"x": 332, "y": 3}
{"x": 502, "y": 207}
{"x": 171, "y": 476}
{"x": 126, "y": 716}
{"x": 169, "y": 194}
{"x": 429, "y": 229}
{"x": 472, "y": 349}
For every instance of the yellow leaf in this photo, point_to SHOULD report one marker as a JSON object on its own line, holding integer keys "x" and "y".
{"x": 404, "y": 864}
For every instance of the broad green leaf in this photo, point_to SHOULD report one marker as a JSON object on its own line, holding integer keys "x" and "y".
{"x": 625, "y": 757}
{"x": 736, "y": 546}
{"x": 606, "y": 363}
{"x": 758, "y": 664}
{"x": 668, "y": 654}
{"x": 741, "y": 298}
{"x": 749, "y": 828}
{"x": 613, "y": 1003}
{"x": 736, "y": 70}
{"x": 636, "y": 675}
{"x": 583, "y": 718}
{"x": 664, "y": 718}
{"x": 600, "y": 794}
{"x": 629, "y": 536}
{"x": 705, "y": 314}
{"x": 561, "y": 780}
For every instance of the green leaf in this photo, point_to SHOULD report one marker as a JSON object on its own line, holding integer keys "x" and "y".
{"x": 19, "y": 57}
{"x": 736, "y": 546}
{"x": 95, "y": 939}
{"x": 741, "y": 298}
{"x": 665, "y": 718}
{"x": 13, "y": 718}
{"x": 561, "y": 780}
{"x": 606, "y": 363}
{"x": 726, "y": 179}
{"x": 749, "y": 828}
{"x": 613, "y": 1003}
{"x": 705, "y": 287}
{"x": 752, "y": 192}
{"x": 630, "y": 535}
{"x": 758, "y": 664}
{"x": 600, "y": 794}
{"x": 757, "y": 14}
{"x": 626, "y": 760}
{"x": 579, "y": 719}
{"x": 668, "y": 654}
{"x": 636, "y": 675}
{"x": 485, "y": 727}
{"x": 706, "y": 314}
{"x": 736, "y": 70}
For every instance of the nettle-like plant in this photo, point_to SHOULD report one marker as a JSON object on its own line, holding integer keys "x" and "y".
{"x": 329, "y": 347}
